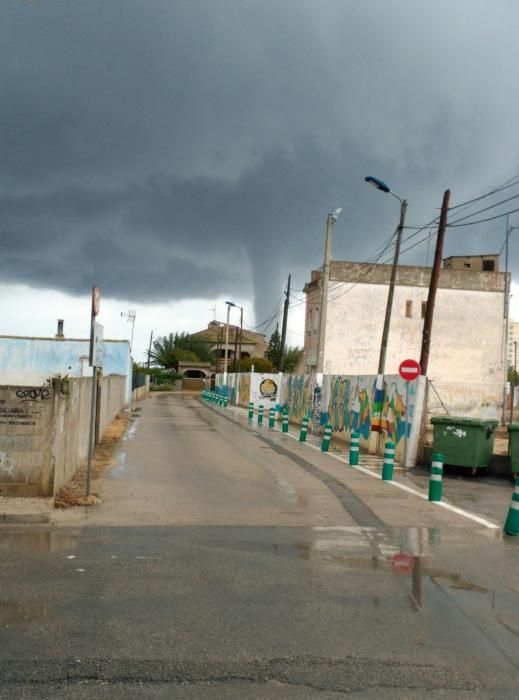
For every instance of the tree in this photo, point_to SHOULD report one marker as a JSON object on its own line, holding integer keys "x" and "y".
{"x": 273, "y": 352}
{"x": 292, "y": 357}
{"x": 199, "y": 346}
{"x": 163, "y": 352}
{"x": 261, "y": 364}
{"x": 513, "y": 376}
{"x": 171, "y": 349}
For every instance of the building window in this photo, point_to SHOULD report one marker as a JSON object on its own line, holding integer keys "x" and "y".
{"x": 408, "y": 308}
{"x": 466, "y": 264}
{"x": 424, "y": 306}
{"x": 488, "y": 266}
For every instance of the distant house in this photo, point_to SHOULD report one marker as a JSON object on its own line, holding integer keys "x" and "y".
{"x": 245, "y": 344}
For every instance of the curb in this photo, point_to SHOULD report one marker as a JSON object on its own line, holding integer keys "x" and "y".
{"x": 24, "y": 518}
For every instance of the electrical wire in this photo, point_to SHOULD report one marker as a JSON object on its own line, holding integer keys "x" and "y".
{"x": 481, "y": 221}
{"x": 506, "y": 185}
{"x": 480, "y": 211}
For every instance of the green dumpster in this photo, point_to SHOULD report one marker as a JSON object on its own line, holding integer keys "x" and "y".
{"x": 464, "y": 442}
{"x": 513, "y": 434}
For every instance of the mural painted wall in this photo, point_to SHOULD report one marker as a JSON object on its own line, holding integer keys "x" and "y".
{"x": 299, "y": 392}
{"x": 348, "y": 403}
{"x": 244, "y": 393}
{"x": 263, "y": 389}
{"x": 345, "y": 401}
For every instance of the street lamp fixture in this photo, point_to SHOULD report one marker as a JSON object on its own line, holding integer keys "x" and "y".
{"x": 379, "y": 389}
{"x": 330, "y": 221}
{"x": 381, "y": 185}
{"x": 229, "y": 304}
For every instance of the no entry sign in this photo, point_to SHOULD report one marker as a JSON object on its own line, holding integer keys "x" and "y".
{"x": 402, "y": 563}
{"x": 409, "y": 370}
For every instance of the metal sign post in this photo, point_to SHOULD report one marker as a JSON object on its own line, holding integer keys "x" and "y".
{"x": 409, "y": 370}
{"x": 95, "y": 361}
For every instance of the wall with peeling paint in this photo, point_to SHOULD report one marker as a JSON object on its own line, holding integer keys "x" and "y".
{"x": 26, "y": 361}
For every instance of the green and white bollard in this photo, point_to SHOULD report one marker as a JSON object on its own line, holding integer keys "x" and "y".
{"x": 285, "y": 420}
{"x": 354, "y": 449}
{"x": 327, "y": 436}
{"x": 436, "y": 478}
{"x": 272, "y": 418}
{"x": 512, "y": 521}
{"x": 251, "y": 411}
{"x": 304, "y": 429}
{"x": 260, "y": 414}
{"x": 389, "y": 460}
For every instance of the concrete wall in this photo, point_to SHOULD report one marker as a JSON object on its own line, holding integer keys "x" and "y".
{"x": 44, "y": 432}
{"x": 31, "y": 361}
{"x": 193, "y": 384}
{"x": 142, "y": 392}
{"x": 26, "y": 428}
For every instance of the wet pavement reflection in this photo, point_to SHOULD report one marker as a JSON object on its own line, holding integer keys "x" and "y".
{"x": 408, "y": 595}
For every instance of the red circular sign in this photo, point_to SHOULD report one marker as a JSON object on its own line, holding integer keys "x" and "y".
{"x": 402, "y": 563}
{"x": 409, "y": 370}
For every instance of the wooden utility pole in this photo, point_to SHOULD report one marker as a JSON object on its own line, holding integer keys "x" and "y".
{"x": 284, "y": 325}
{"x": 433, "y": 285}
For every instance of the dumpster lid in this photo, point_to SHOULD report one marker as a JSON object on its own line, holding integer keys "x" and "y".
{"x": 512, "y": 427}
{"x": 460, "y": 420}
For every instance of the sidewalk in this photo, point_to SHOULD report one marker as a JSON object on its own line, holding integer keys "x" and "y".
{"x": 25, "y": 510}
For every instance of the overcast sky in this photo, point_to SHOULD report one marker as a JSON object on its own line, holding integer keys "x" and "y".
{"x": 178, "y": 153}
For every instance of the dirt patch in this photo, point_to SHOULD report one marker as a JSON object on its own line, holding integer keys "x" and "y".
{"x": 73, "y": 493}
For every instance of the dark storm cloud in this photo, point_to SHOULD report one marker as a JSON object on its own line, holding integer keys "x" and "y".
{"x": 187, "y": 149}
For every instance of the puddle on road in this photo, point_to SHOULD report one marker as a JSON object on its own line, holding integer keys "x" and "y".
{"x": 20, "y": 612}
{"x": 37, "y": 541}
{"x": 119, "y": 462}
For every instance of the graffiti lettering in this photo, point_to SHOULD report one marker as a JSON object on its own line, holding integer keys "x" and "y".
{"x": 38, "y": 394}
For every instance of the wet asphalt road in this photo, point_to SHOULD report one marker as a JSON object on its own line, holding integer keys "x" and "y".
{"x": 191, "y": 594}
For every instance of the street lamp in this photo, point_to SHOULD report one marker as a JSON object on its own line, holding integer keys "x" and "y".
{"x": 380, "y": 185}
{"x": 330, "y": 220}
{"x": 229, "y": 304}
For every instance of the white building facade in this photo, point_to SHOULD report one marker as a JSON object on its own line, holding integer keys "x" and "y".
{"x": 468, "y": 345}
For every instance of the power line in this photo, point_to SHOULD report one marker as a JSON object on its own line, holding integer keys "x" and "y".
{"x": 480, "y": 211}
{"x": 490, "y": 218}
{"x": 500, "y": 188}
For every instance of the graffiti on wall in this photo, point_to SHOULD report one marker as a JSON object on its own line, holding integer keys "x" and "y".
{"x": 264, "y": 389}
{"x": 244, "y": 393}
{"x": 350, "y": 402}
{"x": 298, "y": 395}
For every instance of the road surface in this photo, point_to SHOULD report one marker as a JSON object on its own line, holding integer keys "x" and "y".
{"x": 229, "y": 562}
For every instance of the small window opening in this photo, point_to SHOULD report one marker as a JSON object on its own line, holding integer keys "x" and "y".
{"x": 488, "y": 265}
{"x": 408, "y": 308}
{"x": 424, "y": 306}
